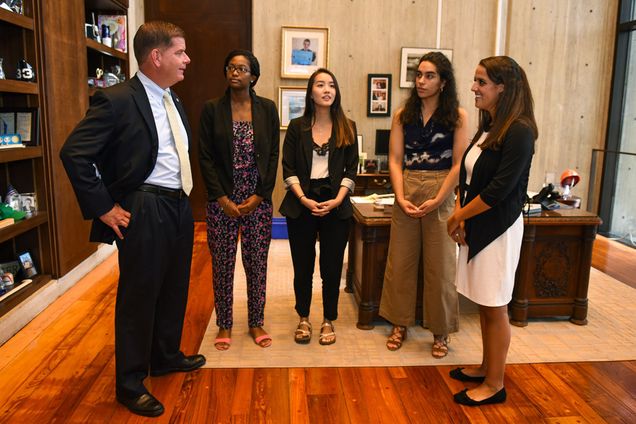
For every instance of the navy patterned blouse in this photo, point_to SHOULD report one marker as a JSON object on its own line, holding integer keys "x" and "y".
{"x": 428, "y": 147}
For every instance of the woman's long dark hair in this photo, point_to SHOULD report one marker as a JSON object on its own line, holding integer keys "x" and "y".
{"x": 514, "y": 104}
{"x": 447, "y": 112}
{"x": 342, "y": 125}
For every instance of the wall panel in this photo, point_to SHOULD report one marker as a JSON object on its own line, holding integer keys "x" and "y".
{"x": 367, "y": 37}
{"x": 565, "y": 46}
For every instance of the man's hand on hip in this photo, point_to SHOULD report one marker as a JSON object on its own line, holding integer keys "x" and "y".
{"x": 115, "y": 218}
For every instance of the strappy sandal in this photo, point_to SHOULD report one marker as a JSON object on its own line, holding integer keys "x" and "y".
{"x": 264, "y": 340}
{"x": 397, "y": 337}
{"x": 327, "y": 338}
{"x": 302, "y": 335}
{"x": 440, "y": 346}
{"x": 223, "y": 343}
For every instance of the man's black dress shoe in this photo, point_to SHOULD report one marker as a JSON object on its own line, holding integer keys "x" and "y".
{"x": 188, "y": 363}
{"x": 457, "y": 374}
{"x": 463, "y": 399}
{"x": 146, "y": 405}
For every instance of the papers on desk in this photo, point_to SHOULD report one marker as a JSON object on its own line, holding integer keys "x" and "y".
{"x": 532, "y": 208}
{"x": 378, "y": 199}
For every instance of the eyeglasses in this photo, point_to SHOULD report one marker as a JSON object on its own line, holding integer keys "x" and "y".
{"x": 240, "y": 69}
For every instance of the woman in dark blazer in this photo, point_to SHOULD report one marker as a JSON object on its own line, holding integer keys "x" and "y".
{"x": 238, "y": 154}
{"x": 320, "y": 159}
{"x": 488, "y": 221}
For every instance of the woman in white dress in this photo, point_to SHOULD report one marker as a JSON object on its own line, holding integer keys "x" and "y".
{"x": 487, "y": 222}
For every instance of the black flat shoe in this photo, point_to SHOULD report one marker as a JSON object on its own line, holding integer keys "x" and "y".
{"x": 463, "y": 399}
{"x": 146, "y": 405}
{"x": 188, "y": 363}
{"x": 457, "y": 374}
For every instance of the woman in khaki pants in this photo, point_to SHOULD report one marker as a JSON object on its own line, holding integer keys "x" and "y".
{"x": 428, "y": 139}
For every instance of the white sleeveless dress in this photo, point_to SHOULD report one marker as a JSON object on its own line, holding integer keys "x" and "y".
{"x": 489, "y": 278}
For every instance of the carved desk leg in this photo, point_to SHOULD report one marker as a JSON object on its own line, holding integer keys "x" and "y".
{"x": 350, "y": 259}
{"x": 374, "y": 252}
{"x": 518, "y": 307}
{"x": 579, "y": 311}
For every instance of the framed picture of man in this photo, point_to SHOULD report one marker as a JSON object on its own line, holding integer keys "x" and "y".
{"x": 291, "y": 104}
{"x": 303, "y": 50}
{"x": 410, "y": 60}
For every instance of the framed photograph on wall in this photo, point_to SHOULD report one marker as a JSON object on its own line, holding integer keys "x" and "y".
{"x": 379, "y": 95}
{"x": 303, "y": 50}
{"x": 22, "y": 121}
{"x": 291, "y": 104}
{"x": 410, "y": 60}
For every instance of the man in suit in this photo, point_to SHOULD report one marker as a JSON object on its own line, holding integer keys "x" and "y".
{"x": 128, "y": 163}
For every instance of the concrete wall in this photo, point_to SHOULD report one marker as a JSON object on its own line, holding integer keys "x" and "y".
{"x": 565, "y": 46}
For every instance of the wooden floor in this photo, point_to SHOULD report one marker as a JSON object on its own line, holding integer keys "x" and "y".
{"x": 60, "y": 368}
{"x": 615, "y": 259}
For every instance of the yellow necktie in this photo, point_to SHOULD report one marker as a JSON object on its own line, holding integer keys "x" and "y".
{"x": 179, "y": 142}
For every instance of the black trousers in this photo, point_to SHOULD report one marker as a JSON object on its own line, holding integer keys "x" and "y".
{"x": 154, "y": 266}
{"x": 303, "y": 233}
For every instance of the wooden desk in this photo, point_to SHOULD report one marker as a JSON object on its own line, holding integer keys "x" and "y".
{"x": 372, "y": 183}
{"x": 552, "y": 277}
{"x": 554, "y": 268}
{"x": 368, "y": 247}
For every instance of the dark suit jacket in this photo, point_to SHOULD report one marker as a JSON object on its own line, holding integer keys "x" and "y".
{"x": 297, "y": 160}
{"x": 118, "y": 135}
{"x": 500, "y": 177}
{"x": 216, "y": 145}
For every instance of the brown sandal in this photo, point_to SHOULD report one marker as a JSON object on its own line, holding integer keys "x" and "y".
{"x": 398, "y": 335}
{"x": 440, "y": 346}
{"x": 327, "y": 334}
{"x": 302, "y": 335}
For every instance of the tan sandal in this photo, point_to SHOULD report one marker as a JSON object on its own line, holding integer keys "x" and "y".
{"x": 440, "y": 346}
{"x": 327, "y": 338}
{"x": 397, "y": 337}
{"x": 302, "y": 334}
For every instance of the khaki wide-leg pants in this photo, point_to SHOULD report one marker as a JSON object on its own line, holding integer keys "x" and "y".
{"x": 421, "y": 241}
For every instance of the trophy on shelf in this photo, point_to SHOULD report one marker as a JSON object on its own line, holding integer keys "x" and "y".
{"x": 2, "y": 75}
{"x": 25, "y": 71}
{"x": 98, "y": 37}
{"x": 106, "y": 40}
{"x": 13, "y": 198}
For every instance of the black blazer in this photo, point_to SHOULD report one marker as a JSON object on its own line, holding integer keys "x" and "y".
{"x": 216, "y": 146}
{"x": 119, "y": 136}
{"x": 297, "y": 160}
{"x": 500, "y": 177}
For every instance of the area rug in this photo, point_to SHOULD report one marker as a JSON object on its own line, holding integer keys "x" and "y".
{"x": 610, "y": 334}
